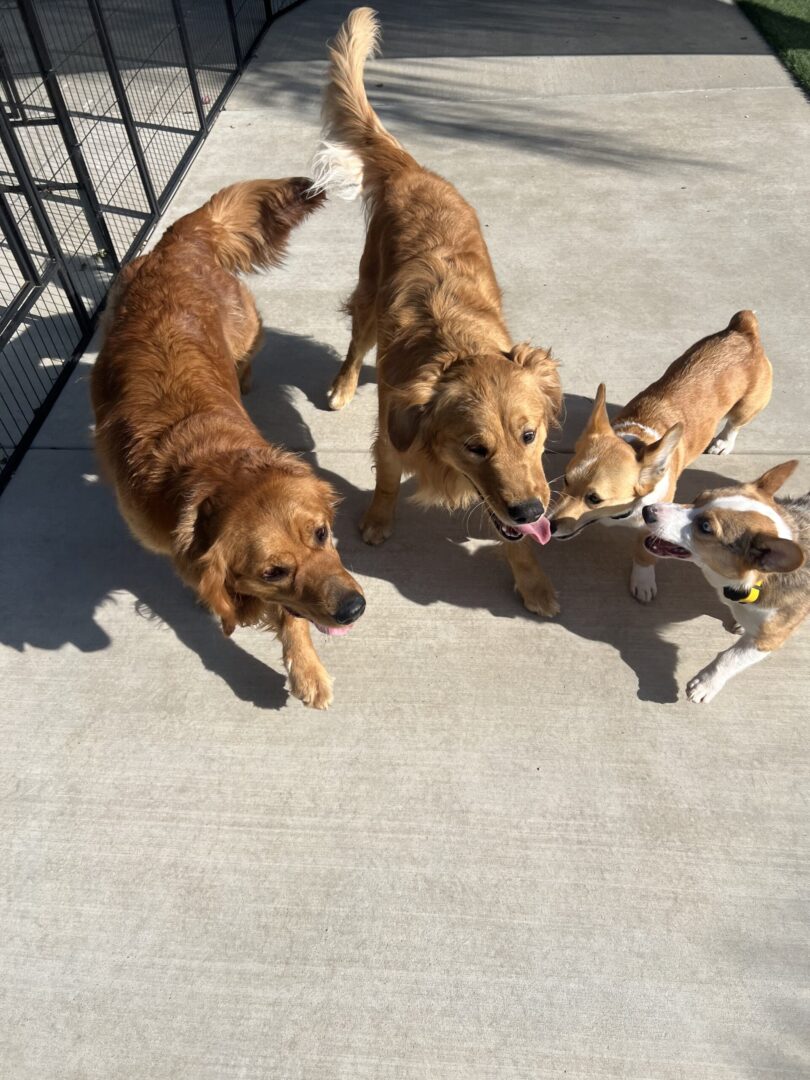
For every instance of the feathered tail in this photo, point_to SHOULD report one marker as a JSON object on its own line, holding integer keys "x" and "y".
{"x": 250, "y": 223}
{"x": 357, "y": 153}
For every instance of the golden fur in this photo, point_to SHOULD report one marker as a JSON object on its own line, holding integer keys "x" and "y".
{"x": 246, "y": 524}
{"x": 461, "y": 406}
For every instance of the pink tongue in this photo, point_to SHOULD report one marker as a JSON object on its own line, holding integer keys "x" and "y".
{"x": 539, "y": 530}
{"x": 333, "y": 631}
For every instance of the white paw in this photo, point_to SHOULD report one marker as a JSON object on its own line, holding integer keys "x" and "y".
{"x": 642, "y": 583}
{"x": 720, "y": 445}
{"x": 705, "y": 685}
{"x": 340, "y": 394}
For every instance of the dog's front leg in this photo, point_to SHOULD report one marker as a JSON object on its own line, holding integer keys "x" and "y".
{"x": 309, "y": 679}
{"x": 536, "y": 591}
{"x": 377, "y": 523}
{"x": 642, "y": 576}
{"x": 708, "y": 683}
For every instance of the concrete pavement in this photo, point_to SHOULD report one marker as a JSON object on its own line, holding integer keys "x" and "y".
{"x": 512, "y": 848}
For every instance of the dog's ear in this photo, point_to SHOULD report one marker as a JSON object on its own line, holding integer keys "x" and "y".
{"x": 403, "y": 424}
{"x": 191, "y": 534}
{"x": 541, "y": 365}
{"x": 410, "y": 403}
{"x": 775, "y": 555}
{"x": 599, "y": 421}
{"x": 655, "y": 458}
{"x": 772, "y": 480}
{"x": 213, "y": 591}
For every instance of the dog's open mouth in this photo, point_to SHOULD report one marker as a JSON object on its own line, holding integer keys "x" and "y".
{"x": 664, "y": 550}
{"x": 539, "y": 531}
{"x": 508, "y": 532}
{"x": 330, "y": 631}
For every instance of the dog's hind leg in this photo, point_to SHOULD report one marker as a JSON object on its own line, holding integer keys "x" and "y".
{"x": 377, "y": 523}
{"x": 362, "y": 308}
{"x": 244, "y": 334}
{"x": 244, "y": 366}
{"x": 743, "y": 413}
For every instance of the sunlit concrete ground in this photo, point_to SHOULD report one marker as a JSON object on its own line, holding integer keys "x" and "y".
{"x": 512, "y": 848}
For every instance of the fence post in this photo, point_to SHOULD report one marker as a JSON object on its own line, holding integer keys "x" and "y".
{"x": 87, "y": 195}
{"x": 19, "y": 166}
{"x": 188, "y": 56}
{"x": 237, "y": 46}
{"x": 123, "y": 102}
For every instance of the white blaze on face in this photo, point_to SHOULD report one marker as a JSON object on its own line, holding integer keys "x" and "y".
{"x": 674, "y": 524}
{"x": 746, "y": 505}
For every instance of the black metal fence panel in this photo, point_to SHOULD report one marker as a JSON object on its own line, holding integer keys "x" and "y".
{"x": 103, "y": 103}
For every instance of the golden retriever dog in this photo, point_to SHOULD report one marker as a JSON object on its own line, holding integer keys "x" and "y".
{"x": 246, "y": 524}
{"x": 461, "y": 406}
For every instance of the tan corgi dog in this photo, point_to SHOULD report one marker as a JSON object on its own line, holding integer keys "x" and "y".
{"x": 752, "y": 548}
{"x": 619, "y": 468}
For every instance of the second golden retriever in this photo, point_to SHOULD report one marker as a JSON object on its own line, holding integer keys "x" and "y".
{"x": 247, "y": 525}
{"x": 461, "y": 406}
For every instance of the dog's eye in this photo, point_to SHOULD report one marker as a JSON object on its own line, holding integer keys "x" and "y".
{"x": 478, "y": 449}
{"x": 594, "y": 499}
{"x": 529, "y": 436}
{"x": 321, "y": 534}
{"x": 274, "y": 573}
{"x": 704, "y": 526}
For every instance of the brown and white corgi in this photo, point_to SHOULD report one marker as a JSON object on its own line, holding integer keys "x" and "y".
{"x": 752, "y": 548}
{"x": 618, "y": 468}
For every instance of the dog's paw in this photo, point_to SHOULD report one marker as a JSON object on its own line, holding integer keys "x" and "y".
{"x": 311, "y": 683}
{"x": 340, "y": 394}
{"x": 705, "y": 685}
{"x": 720, "y": 445}
{"x": 642, "y": 583}
{"x": 374, "y": 531}
{"x": 735, "y": 628}
{"x": 540, "y": 599}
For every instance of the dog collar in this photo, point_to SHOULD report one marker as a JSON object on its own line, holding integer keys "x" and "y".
{"x": 741, "y": 596}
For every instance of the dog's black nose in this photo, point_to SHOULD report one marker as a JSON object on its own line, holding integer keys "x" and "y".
{"x": 649, "y": 515}
{"x": 350, "y": 608}
{"x": 526, "y": 512}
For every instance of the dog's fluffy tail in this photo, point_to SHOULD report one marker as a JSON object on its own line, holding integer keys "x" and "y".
{"x": 250, "y": 223}
{"x": 357, "y": 153}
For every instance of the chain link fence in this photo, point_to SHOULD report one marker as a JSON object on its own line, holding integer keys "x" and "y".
{"x": 103, "y": 104}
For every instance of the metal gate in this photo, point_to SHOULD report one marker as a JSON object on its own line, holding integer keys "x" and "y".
{"x": 103, "y": 103}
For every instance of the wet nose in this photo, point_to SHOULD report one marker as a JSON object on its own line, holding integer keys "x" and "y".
{"x": 350, "y": 608}
{"x": 650, "y": 515}
{"x": 526, "y": 512}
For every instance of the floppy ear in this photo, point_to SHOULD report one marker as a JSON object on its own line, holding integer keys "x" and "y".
{"x": 191, "y": 532}
{"x": 403, "y": 424}
{"x": 599, "y": 421}
{"x": 773, "y": 479}
{"x": 213, "y": 592}
{"x": 540, "y": 363}
{"x": 655, "y": 458}
{"x": 775, "y": 555}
